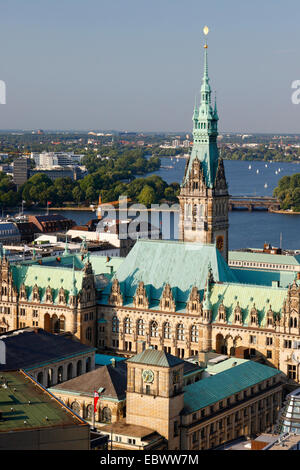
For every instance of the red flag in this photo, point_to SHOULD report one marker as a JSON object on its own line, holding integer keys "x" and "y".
{"x": 49, "y": 202}
{"x": 96, "y": 398}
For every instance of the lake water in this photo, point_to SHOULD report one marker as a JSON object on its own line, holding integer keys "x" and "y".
{"x": 246, "y": 229}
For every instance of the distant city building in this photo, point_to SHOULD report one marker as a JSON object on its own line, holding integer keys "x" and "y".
{"x": 21, "y": 167}
{"x": 48, "y": 160}
{"x": 9, "y": 233}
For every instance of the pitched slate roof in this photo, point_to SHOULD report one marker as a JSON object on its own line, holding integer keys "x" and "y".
{"x": 112, "y": 379}
{"x": 182, "y": 265}
{"x": 154, "y": 357}
{"x": 29, "y": 348}
{"x": 212, "y": 389}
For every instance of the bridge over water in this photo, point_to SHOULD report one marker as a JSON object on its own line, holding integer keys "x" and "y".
{"x": 251, "y": 203}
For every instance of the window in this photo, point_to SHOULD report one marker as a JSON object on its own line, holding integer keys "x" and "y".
{"x": 194, "y": 334}
{"x": 292, "y": 372}
{"x": 115, "y": 325}
{"x": 88, "y": 334}
{"x": 167, "y": 330}
{"x": 128, "y": 329}
{"x": 35, "y": 313}
{"x": 194, "y": 417}
{"x": 176, "y": 428}
{"x": 287, "y": 343}
{"x": 140, "y": 327}
{"x": 180, "y": 332}
{"x": 252, "y": 339}
{"x": 22, "y": 312}
{"x": 131, "y": 441}
{"x": 147, "y": 389}
{"x": 269, "y": 341}
{"x": 269, "y": 354}
{"x": 153, "y": 329}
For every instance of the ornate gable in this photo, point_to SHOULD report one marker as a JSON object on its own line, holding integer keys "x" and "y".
{"x": 167, "y": 302}
{"x": 140, "y": 300}
{"x": 115, "y": 297}
{"x": 194, "y": 305}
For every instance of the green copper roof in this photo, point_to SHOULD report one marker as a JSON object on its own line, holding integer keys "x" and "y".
{"x": 182, "y": 265}
{"x": 283, "y": 260}
{"x": 212, "y": 389}
{"x": 205, "y": 132}
{"x": 264, "y": 278}
{"x": 64, "y": 271}
{"x": 224, "y": 365}
{"x": 153, "y": 357}
{"x": 263, "y": 297}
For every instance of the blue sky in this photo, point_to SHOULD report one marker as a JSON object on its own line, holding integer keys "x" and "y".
{"x": 137, "y": 64}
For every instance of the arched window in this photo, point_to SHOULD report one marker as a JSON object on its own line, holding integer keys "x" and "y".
{"x": 75, "y": 407}
{"x": 140, "y": 327}
{"x": 128, "y": 328}
{"x": 89, "y": 412}
{"x": 79, "y": 368}
{"x": 194, "y": 334}
{"x": 40, "y": 377}
{"x": 295, "y": 322}
{"x": 180, "y": 332}
{"x": 167, "y": 330}
{"x": 70, "y": 371}
{"x": 106, "y": 415}
{"x": 62, "y": 322}
{"x": 88, "y": 334}
{"x": 60, "y": 374}
{"x": 115, "y": 325}
{"x": 88, "y": 365}
{"x": 153, "y": 329}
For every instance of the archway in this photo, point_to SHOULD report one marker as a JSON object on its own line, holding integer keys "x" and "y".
{"x": 40, "y": 378}
{"x": 106, "y": 415}
{"x": 47, "y": 323}
{"x": 70, "y": 371}
{"x": 79, "y": 368}
{"x": 55, "y": 324}
{"x": 221, "y": 347}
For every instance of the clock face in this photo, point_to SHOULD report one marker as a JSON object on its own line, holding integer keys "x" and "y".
{"x": 148, "y": 376}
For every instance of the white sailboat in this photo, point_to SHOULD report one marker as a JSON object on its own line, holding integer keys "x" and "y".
{"x": 249, "y": 167}
{"x": 257, "y": 171}
{"x": 265, "y": 185}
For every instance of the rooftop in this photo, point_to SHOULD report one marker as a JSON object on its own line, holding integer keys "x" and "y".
{"x": 29, "y": 348}
{"x": 153, "y": 357}
{"x": 217, "y": 387}
{"x": 26, "y": 405}
{"x": 112, "y": 379}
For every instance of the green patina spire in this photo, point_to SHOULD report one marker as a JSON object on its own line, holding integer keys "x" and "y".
{"x": 205, "y": 132}
{"x": 66, "y": 252}
{"x": 207, "y": 291}
{"x": 74, "y": 288}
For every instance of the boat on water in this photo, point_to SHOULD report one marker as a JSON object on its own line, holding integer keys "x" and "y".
{"x": 167, "y": 166}
{"x": 276, "y": 172}
{"x": 265, "y": 185}
{"x": 257, "y": 171}
{"x": 249, "y": 167}
{"x": 266, "y": 165}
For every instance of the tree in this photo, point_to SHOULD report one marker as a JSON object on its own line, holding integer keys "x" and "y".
{"x": 147, "y": 196}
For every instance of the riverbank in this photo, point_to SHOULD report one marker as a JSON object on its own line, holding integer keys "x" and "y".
{"x": 284, "y": 212}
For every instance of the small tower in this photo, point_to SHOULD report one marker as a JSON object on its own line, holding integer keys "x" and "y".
{"x": 155, "y": 382}
{"x": 204, "y": 194}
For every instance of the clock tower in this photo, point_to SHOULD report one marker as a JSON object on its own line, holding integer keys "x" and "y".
{"x": 204, "y": 194}
{"x": 154, "y": 396}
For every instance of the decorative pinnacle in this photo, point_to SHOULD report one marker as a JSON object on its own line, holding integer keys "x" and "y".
{"x": 205, "y": 31}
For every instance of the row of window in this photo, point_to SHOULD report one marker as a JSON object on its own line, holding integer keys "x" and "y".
{"x": 153, "y": 329}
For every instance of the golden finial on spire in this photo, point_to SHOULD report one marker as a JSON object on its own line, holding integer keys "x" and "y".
{"x": 205, "y": 31}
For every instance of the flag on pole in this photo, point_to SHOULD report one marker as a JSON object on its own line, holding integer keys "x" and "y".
{"x": 49, "y": 202}
{"x": 96, "y": 398}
